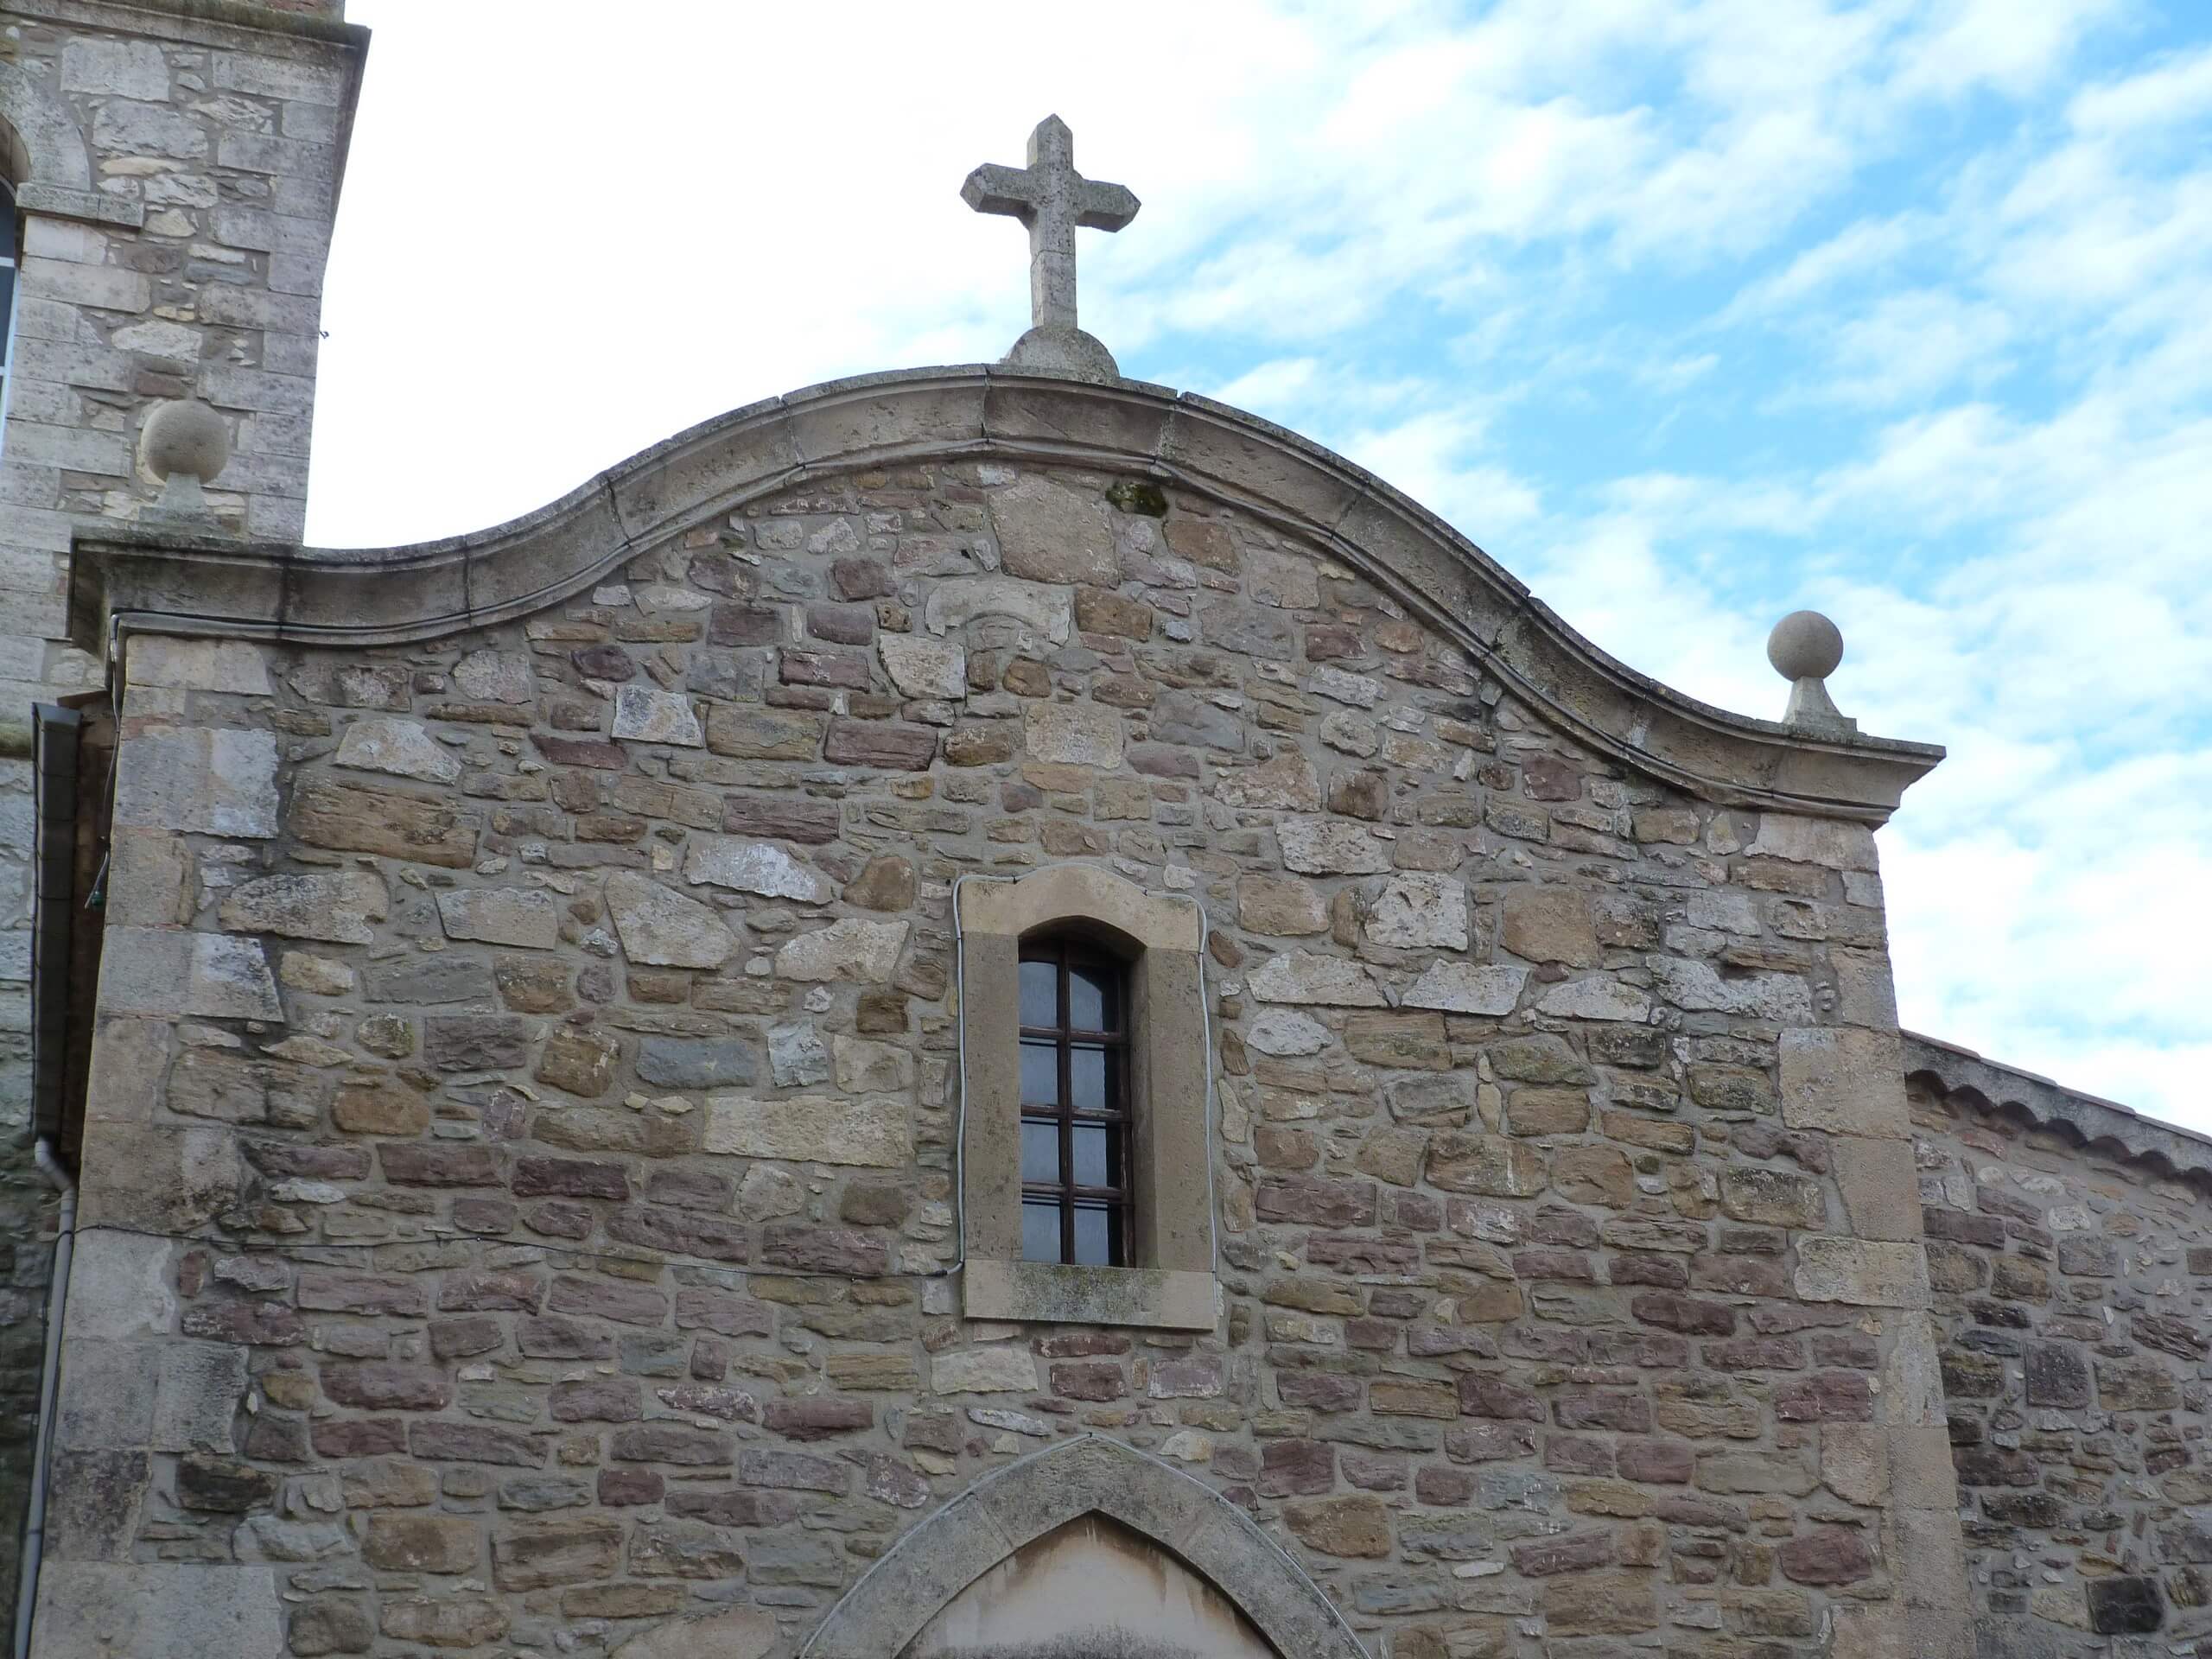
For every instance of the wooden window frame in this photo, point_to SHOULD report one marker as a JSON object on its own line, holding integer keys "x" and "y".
{"x": 1067, "y": 953}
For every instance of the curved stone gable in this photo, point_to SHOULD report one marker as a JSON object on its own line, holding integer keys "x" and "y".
{"x": 384, "y": 595}
{"x": 960, "y": 1542}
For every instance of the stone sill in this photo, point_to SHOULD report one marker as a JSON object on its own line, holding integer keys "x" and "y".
{"x": 1154, "y": 1299}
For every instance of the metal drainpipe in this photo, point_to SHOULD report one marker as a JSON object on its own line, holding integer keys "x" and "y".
{"x": 54, "y": 748}
{"x": 49, "y": 1386}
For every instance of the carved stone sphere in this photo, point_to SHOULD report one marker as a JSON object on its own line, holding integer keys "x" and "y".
{"x": 187, "y": 438}
{"x": 1805, "y": 645}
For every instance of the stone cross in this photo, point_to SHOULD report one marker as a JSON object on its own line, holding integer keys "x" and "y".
{"x": 1052, "y": 199}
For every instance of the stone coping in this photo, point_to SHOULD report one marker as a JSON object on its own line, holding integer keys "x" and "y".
{"x": 143, "y": 577}
{"x": 164, "y": 17}
{"x": 2097, "y": 1123}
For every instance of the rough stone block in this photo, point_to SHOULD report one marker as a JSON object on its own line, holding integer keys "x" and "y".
{"x": 808, "y": 1128}
{"x": 1846, "y": 1081}
{"x": 1864, "y": 1272}
{"x": 151, "y": 1610}
{"x": 1880, "y": 1186}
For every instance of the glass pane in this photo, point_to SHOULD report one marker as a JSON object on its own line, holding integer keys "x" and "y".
{"x": 7, "y": 299}
{"x": 1041, "y": 994}
{"x": 1096, "y": 1227}
{"x": 1040, "y": 1152}
{"x": 1040, "y": 1232}
{"x": 1094, "y": 1077}
{"x": 1094, "y": 999}
{"x": 1040, "y": 1074}
{"x": 1097, "y": 1155}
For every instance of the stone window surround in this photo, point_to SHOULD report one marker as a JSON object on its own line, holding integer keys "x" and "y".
{"x": 1171, "y": 1284}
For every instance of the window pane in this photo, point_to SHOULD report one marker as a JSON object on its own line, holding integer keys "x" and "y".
{"x": 1094, "y": 999}
{"x": 1097, "y": 1155}
{"x": 1040, "y": 1232}
{"x": 1041, "y": 994}
{"x": 7, "y": 299}
{"x": 1097, "y": 1229}
{"x": 1094, "y": 1077}
{"x": 1040, "y": 1074}
{"x": 1040, "y": 1152}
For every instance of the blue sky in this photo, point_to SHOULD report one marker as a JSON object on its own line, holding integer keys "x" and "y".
{"x": 1689, "y": 313}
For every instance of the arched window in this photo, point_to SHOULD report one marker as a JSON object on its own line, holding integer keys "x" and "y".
{"x": 1086, "y": 1107}
{"x": 1075, "y": 1102}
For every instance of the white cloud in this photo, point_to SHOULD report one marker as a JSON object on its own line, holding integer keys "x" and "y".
{"x": 1690, "y": 311}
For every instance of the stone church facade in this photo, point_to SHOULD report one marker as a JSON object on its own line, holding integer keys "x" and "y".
{"x": 981, "y": 1011}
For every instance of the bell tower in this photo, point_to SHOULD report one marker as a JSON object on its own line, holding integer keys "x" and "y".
{"x": 171, "y": 170}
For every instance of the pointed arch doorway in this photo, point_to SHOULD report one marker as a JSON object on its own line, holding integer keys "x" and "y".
{"x": 1087, "y": 1548}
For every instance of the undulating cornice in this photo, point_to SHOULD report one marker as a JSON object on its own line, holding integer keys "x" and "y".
{"x": 154, "y": 577}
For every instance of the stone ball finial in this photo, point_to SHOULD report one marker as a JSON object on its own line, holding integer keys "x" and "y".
{"x": 1805, "y": 645}
{"x": 185, "y": 445}
{"x": 186, "y": 437}
{"x": 1806, "y": 648}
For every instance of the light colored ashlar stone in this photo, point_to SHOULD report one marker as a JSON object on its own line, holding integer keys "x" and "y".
{"x": 401, "y": 748}
{"x": 1330, "y": 846}
{"x": 796, "y": 1055}
{"x": 1281, "y": 905}
{"x": 1048, "y": 532}
{"x": 871, "y": 1130}
{"x": 1285, "y": 1031}
{"x": 233, "y": 666}
{"x": 1309, "y": 976}
{"x": 1411, "y": 912}
{"x": 758, "y": 866}
{"x": 662, "y": 927}
{"x": 733, "y": 1633}
{"x": 516, "y": 916}
{"x": 955, "y": 602}
{"x": 166, "y": 970}
{"x": 924, "y": 668}
{"x": 1847, "y": 1080}
{"x": 1073, "y": 734}
{"x": 1695, "y": 986}
{"x": 198, "y": 781}
{"x": 999, "y": 1370}
{"x": 338, "y": 907}
{"x": 1861, "y": 1272}
{"x": 847, "y": 949}
{"x": 495, "y": 676}
{"x": 1287, "y": 781}
{"x": 645, "y": 715}
{"x": 1464, "y": 988}
{"x": 1600, "y": 998}
{"x": 1833, "y": 843}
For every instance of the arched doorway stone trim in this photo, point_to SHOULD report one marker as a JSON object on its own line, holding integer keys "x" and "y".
{"x": 951, "y": 1550}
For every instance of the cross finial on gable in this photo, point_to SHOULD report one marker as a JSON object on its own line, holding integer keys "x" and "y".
{"x": 1052, "y": 199}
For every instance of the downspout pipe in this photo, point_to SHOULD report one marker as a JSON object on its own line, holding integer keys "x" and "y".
{"x": 48, "y": 1387}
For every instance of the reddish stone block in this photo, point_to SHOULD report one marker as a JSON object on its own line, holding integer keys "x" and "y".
{"x": 1829, "y": 1555}
{"x": 1096, "y": 1379}
{"x": 379, "y": 1386}
{"x": 1289, "y": 1468}
{"x": 1681, "y": 1314}
{"x": 817, "y": 1417}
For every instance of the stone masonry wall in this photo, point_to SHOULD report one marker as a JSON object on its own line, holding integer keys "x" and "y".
{"x": 2071, "y": 1296}
{"x": 176, "y": 173}
{"x": 520, "y": 1166}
